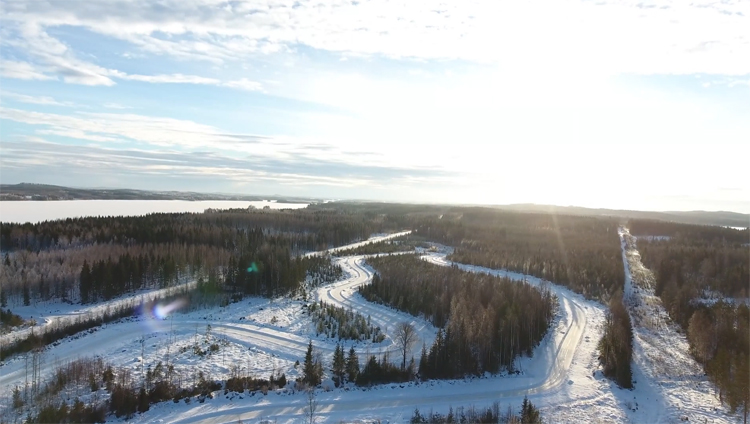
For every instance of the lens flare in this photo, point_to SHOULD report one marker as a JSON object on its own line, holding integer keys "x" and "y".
{"x": 162, "y": 311}
{"x": 252, "y": 268}
{"x": 156, "y": 312}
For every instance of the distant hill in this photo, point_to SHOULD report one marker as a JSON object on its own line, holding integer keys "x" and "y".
{"x": 26, "y": 191}
{"x": 729, "y": 219}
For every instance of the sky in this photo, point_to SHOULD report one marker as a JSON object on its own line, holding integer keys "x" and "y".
{"x": 606, "y": 103}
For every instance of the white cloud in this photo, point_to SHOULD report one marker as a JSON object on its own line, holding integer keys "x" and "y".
{"x": 527, "y": 75}
{"x": 737, "y": 82}
{"x": 36, "y": 100}
{"x": 107, "y": 160}
{"x": 611, "y": 35}
{"x": 115, "y": 106}
{"x": 576, "y": 38}
{"x": 179, "y": 133}
{"x": 244, "y": 84}
{"x": 75, "y": 71}
{"x": 79, "y": 134}
{"x": 109, "y": 127}
{"x": 53, "y": 55}
{"x": 22, "y": 70}
{"x": 169, "y": 79}
{"x": 301, "y": 161}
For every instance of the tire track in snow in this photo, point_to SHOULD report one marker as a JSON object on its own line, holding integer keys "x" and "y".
{"x": 552, "y": 359}
{"x": 547, "y": 371}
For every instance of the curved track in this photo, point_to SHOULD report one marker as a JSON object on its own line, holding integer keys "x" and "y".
{"x": 344, "y": 294}
{"x": 275, "y": 341}
{"x": 545, "y": 372}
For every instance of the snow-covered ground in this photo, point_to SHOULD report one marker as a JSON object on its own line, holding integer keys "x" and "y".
{"x": 259, "y": 335}
{"x": 674, "y": 385}
{"x": 55, "y": 312}
{"x": 48, "y": 210}
{"x": 561, "y": 376}
{"x": 262, "y": 336}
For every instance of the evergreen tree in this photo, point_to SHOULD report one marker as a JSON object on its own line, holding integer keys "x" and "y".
{"x": 529, "y": 412}
{"x": 85, "y": 283}
{"x": 311, "y": 368}
{"x": 352, "y": 365}
{"x": 424, "y": 362}
{"x": 483, "y": 329}
{"x": 339, "y": 364}
{"x": 437, "y": 365}
{"x": 26, "y": 295}
{"x": 42, "y": 289}
{"x": 739, "y": 391}
{"x": 143, "y": 403}
{"x": 616, "y": 344}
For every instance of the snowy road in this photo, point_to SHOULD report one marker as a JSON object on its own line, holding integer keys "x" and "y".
{"x": 345, "y": 294}
{"x": 277, "y": 342}
{"x": 547, "y": 376}
{"x": 556, "y": 356}
{"x": 544, "y": 374}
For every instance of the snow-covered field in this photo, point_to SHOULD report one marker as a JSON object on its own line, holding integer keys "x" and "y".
{"x": 263, "y": 336}
{"x": 38, "y": 211}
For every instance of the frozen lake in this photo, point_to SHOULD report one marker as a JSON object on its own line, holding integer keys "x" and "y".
{"x": 38, "y": 211}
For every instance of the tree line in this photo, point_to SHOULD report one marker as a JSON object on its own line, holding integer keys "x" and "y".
{"x": 347, "y": 369}
{"x": 582, "y": 253}
{"x": 692, "y": 262}
{"x": 306, "y": 228}
{"x": 702, "y": 275}
{"x": 46, "y": 275}
{"x": 616, "y": 345}
{"x": 115, "y": 391}
{"x": 257, "y": 252}
{"x": 696, "y": 233}
{"x": 486, "y": 321}
{"x": 491, "y": 415}
{"x": 719, "y": 337}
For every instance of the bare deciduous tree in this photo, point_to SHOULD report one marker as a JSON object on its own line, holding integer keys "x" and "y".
{"x": 312, "y": 406}
{"x": 405, "y": 336}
